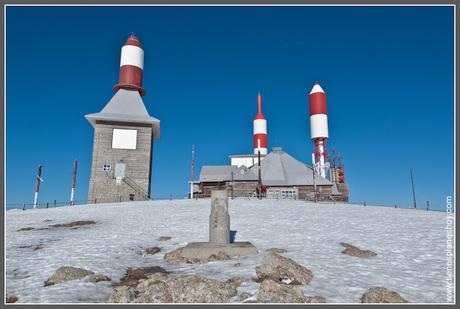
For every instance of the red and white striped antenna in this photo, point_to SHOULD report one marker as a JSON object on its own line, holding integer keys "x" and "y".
{"x": 260, "y": 129}
{"x": 319, "y": 129}
{"x": 37, "y": 187}
{"x": 74, "y": 180}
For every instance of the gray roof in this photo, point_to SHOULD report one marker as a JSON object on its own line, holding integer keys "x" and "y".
{"x": 278, "y": 169}
{"x": 214, "y": 173}
{"x": 126, "y": 106}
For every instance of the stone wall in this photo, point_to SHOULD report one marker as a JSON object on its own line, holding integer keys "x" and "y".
{"x": 103, "y": 187}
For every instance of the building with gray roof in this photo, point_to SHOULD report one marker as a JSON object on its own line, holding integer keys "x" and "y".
{"x": 282, "y": 175}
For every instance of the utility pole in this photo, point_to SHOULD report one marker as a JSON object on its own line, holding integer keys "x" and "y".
{"x": 74, "y": 180}
{"x": 37, "y": 187}
{"x": 413, "y": 187}
{"x": 192, "y": 177}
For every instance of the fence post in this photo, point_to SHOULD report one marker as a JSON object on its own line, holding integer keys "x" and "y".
{"x": 170, "y": 196}
{"x": 46, "y": 204}
{"x": 24, "y": 206}
{"x": 95, "y": 200}
{"x": 364, "y": 204}
{"x": 427, "y": 205}
{"x": 396, "y": 206}
{"x": 54, "y": 203}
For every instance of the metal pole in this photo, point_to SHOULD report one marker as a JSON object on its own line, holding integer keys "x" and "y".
{"x": 413, "y": 187}
{"x": 46, "y": 204}
{"x": 24, "y": 206}
{"x": 314, "y": 184}
{"x": 192, "y": 178}
{"x": 260, "y": 176}
{"x": 37, "y": 187}
{"x": 427, "y": 205}
{"x": 74, "y": 178}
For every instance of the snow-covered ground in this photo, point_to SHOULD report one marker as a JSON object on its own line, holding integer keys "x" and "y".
{"x": 410, "y": 245}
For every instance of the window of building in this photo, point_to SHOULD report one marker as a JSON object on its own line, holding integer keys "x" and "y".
{"x": 124, "y": 139}
{"x": 107, "y": 167}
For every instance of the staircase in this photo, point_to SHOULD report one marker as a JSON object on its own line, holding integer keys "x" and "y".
{"x": 132, "y": 184}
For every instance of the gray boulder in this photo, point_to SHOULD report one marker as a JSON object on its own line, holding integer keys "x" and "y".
{"x": 382, "y": 295}
{"x": 97, "y": 278}
{"x": 67, "y": 273}
{"x": 273, "y": 292}
{"x": 355, "y": 251}
{"x": 187, "y": 289}
{"x": 315, "y": 299}
{"x": 283, "y": 270}
{"x": 276, "y": 250}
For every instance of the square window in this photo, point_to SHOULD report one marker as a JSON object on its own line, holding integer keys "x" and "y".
{"x": 107, "y": 167}
{"x": 124, "y": 139}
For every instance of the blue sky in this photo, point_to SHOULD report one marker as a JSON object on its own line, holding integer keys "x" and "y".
{"x": 387, "y": 71}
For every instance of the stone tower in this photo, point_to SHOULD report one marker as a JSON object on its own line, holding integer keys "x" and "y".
{"x": 123, "y": 136}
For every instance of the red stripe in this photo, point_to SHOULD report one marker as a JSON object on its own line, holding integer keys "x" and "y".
{"x": 259, "y": 116}
{"x": 133, "y": 40}
{"x": 317, "y": 103}
{"x": 263, "y": 140}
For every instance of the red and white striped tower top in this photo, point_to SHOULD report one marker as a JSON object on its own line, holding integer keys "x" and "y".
{"x": 319, "y": 128}
{"x": 318, "y": 113}
{"x": 260, "y": 130}
{"x": 131, "y": 65}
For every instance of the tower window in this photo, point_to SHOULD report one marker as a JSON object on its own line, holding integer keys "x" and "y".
{"x": 124, "y": 139}
{"x": 107, "y": 167}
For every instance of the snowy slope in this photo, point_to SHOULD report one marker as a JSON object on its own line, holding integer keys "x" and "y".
{"x": 410, "y": 245}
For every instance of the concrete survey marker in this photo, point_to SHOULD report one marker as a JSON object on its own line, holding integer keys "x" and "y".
{"x": 219, "y": 246}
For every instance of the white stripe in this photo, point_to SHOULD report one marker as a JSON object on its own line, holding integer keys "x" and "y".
{"x": 263, "y": 151}
{"x": 260, "y": 126}
{"x": 318, "y": 126}
{"x": 132, "y": 55}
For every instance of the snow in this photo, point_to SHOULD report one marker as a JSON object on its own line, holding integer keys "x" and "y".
{"x": 410, "y": 245}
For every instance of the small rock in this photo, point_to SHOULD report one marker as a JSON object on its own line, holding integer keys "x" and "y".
{"x": 283, "y": 269}
{"x": 176, "y": 256}
{"x": 97, "y": 278}
{"x": 164, "y": 238}
{"x": 355, "y": 251}
{"x": 237, "y": 265}
{"x": 315, "y": 299}
{"x": 11, "y": 299}
{"x": 276, "y": 250}
{"x": 153, "y": 250}
{"x": 236, "y": 281}
{"x": 122, "y": 294}
{"x": 378, "y": 295}
{"x": 67, "y": 273}
{"x": 273, "y": 292}
{"x": 25, "y": 229}
{"x": 134, "y": 275}
{"x": 73, "y": 224}
{"x": 244, "y": 296}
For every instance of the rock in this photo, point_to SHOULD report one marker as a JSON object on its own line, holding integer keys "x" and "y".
{"x": 176, "y": 256}
{"x": 122, "y": 294}
{"x": 164, "y": 238}
{"x": 97, "y": 278}
{"x": 273, "y": 292}
{"x": 153, "y": 250}
{"x": 11, "y": 299}
{"x": 243, "y": 296}
{"x": 73, "y": 224}
{"x": 236, "y": 281}
{"x": 355, "y": 251}
{"x": 382, "y": 295}
{"x": 276, "y": 250}
{"x": 25, "y": 229}
{"x": 315, "y": 299}
{"x": 159, "y": 288}
{"x": 33, "y": 247}
{"x": 67, "y": 273}
{"x": 283, "y": 269}
{"x": 188, "y": 289}
{"x": 134, "y": 275}
{"x": 237, "y": 265}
